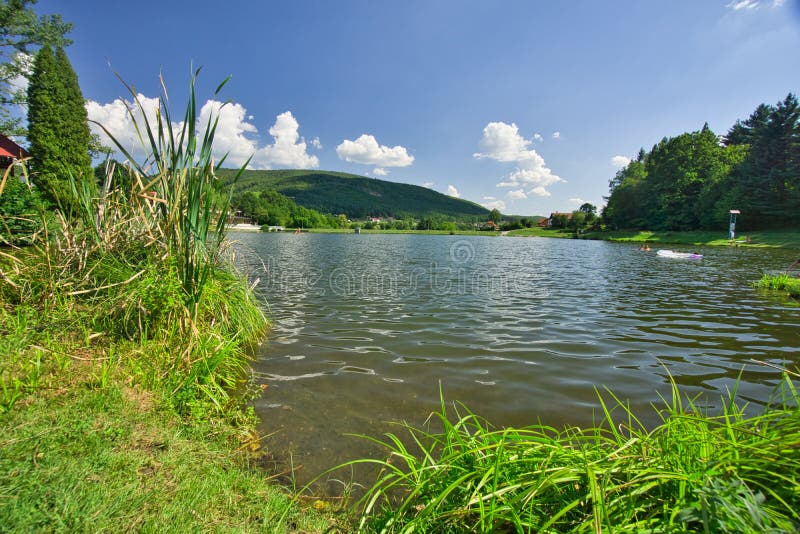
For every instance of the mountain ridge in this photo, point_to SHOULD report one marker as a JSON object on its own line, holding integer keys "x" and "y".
{"x": 353, "y": 195}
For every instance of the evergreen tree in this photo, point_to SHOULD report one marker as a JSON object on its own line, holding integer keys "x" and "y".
{"x": 58, "y": 129}
{"x": 21, "y": 31}
{"x": 76, "y": 135}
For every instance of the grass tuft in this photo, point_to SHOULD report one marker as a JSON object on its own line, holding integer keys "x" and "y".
{"x": 693, "y": 472}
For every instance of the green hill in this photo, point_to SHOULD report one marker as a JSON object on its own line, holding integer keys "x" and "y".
{"x": 356, "y": 196}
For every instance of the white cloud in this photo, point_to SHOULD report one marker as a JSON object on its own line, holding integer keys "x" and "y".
{"x": 539, "y": 191}
{"x": 316, "y": 143}
{"x": 427, "y": 184}
{"x": 556, "y": 135}
{"x": 235, "y": 135}
{"x": 538, "y": 137}
{"x": 118, "y": 118}
{"x": 577, "y": 201}
{"x": 377, "y": 171}
{"x": 502, "y": 142}
{"x": 20, "y": 62}
{"x": 517, "y": 194}
{"x": 736, "y": 5}
{"x": 489, "y": 198}
{"x": 232, "y": 130}
{"x": 499, "y": 205}
{"x": 288, "y": 150}
{"x": 367, "y": 151}
{"x": 620, "y": 161}
{"x": 453, "y": 192}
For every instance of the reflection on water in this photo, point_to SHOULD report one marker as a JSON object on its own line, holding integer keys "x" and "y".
{"x": 366, "y": 328}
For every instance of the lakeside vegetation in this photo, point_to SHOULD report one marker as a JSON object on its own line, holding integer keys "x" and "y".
{"x": 125, "y": 354}
{"x": 784, "y": 283}
{"x": 694, "y": 472}
{"x": 690, "y": 182}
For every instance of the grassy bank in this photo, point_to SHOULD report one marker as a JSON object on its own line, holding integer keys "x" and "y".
{"x": 695, "y": 472}
{"x": 124, "y": 356}
{"x": 765, "y": 238}
{"x": 86, "y": 448}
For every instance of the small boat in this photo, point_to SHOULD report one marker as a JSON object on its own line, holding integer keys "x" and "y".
{"x": 680, "y": 255}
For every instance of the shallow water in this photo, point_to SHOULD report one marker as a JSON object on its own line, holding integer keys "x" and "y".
{"x": 368, "y": 328}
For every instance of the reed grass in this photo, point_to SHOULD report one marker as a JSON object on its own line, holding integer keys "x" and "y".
{"x": 137, "y": 256}
{"x": 693, "y": 472}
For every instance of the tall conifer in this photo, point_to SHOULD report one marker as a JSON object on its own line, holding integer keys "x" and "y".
{"x": 58, "y": 129}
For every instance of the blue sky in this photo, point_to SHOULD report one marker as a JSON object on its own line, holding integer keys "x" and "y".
{"x": 523, "y": 105}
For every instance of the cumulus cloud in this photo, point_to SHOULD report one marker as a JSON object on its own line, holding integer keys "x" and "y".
{"x": 377, "y": 171}
{"x": 235, "y": 136}
{"x": 502, "y": 142}
{"x": 539, "y": 191}
{"x": 499, "y": 205}
{"x": 427, "y": 184}
{"x": 232, "y": 130}
{"x": 538, "y": 137}
{"x": 556, "y": 135}
{"x": 118, "y": 118}
{"x": 620, "y": 161}
{"x": 516, "y": 194}
{"x": 316, "y": 143}
{"x": 453, "y": 192}
{"x": 366, "y": 151}
{"x": 289, "y": 149}
{"x": 578, "y": 201}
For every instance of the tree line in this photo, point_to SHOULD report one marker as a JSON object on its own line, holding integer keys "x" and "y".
{"x": 692, "y": 181}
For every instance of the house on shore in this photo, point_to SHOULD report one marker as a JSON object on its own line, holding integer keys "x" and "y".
{"x": 556, "y": 215}
{"x": 10, "y": 152}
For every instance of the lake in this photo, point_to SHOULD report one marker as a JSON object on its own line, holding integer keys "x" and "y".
{"x": 368, "y": 328}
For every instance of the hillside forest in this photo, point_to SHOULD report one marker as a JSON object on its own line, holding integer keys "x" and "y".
{"x": 691, "y": 181}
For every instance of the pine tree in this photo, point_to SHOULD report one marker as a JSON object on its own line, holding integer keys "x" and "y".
{"x": 58, "y": 130}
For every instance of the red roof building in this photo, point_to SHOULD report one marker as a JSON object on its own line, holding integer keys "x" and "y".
{"x": 10, "y": 151}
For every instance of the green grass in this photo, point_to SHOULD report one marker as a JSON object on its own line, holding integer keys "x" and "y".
{"x": 694, "y": 472}
{"x": 765, "y": 238}
{"x": 108, "y": 459}
{"x": 782, "y": 282}
{"x": 543, "y": 232}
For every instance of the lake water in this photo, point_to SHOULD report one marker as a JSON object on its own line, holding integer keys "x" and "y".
{"x": 367, "y": 328}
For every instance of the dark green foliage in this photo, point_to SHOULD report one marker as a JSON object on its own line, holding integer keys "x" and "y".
{"x": 357, "y": 197}
{"x": 58, "y": 128}
{"x": 21, "y": 212}
{"x": 21, "y": 30}
{"x": 691, "y": 181}
{"x": 271, "y": 208}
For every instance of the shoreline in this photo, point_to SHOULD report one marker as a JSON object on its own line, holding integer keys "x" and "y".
{"x": 787, "y": 239}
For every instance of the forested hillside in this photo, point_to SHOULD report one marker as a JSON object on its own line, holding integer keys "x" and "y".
{"x": 691, "y": 181}
{"x": 356, "y": 196}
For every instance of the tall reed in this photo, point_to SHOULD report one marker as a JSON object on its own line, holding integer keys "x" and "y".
{"x": 141, "y": 258}
{"x": 187, "y": 203}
